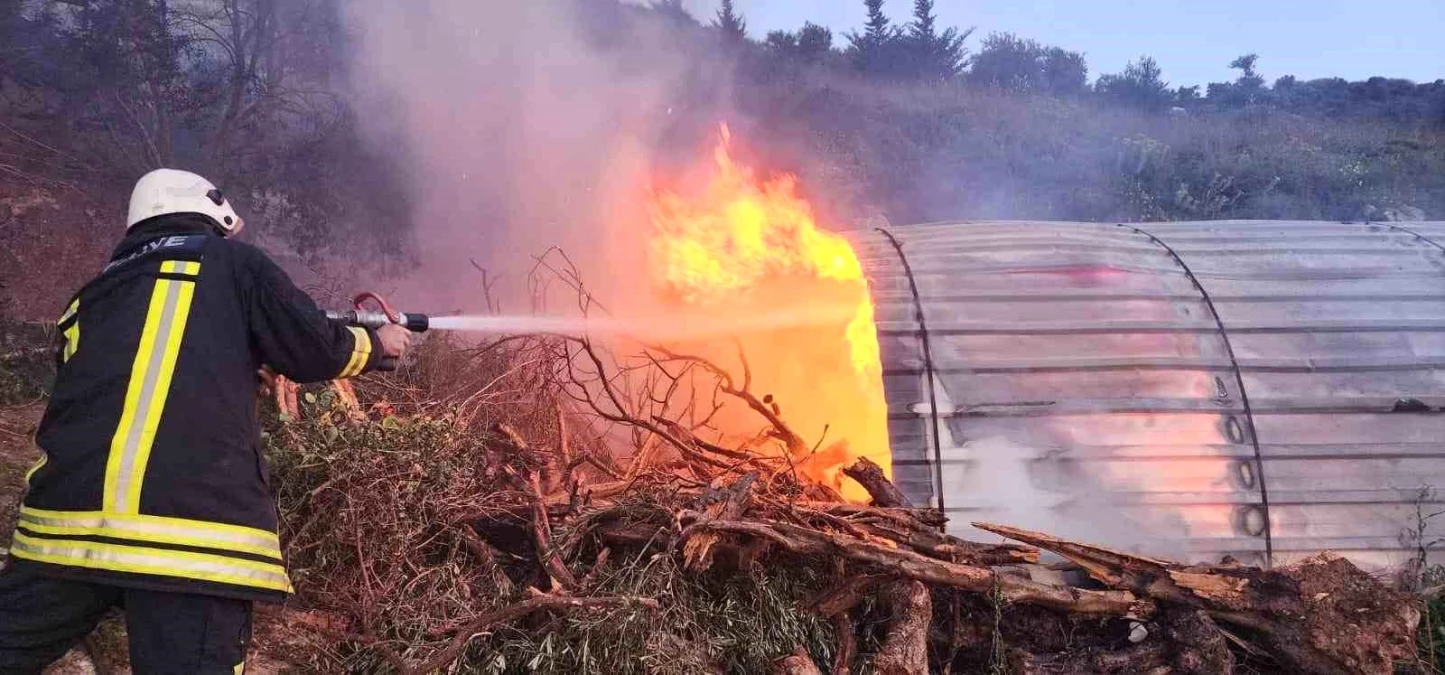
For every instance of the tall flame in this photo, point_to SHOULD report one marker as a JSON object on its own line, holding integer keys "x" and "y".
{"x": 743, "y": 245}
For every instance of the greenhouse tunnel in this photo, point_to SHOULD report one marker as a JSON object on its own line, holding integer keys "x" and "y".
{"x": 1264, "y": 390}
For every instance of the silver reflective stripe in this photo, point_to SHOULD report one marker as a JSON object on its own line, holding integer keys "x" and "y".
{"x": 160, "y": 562}
{"x": 149, "y": 528}
{"x": 147, "y": 393}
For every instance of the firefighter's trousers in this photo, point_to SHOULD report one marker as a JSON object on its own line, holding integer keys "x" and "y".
{"x": 42, "y": 617}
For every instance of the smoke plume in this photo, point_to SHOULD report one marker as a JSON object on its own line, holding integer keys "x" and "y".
{"x": 521, "y": 126}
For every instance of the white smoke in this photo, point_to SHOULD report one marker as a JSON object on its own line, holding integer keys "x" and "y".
{"x": 516, "y": 133}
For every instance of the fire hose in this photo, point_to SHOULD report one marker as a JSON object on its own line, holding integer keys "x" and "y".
{"x": 361, "y": 317}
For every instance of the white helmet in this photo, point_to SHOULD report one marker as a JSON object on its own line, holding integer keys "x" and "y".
{"x": 166, "y": 191}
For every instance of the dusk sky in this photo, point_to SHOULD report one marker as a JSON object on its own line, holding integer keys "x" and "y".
{"x": 1193, "y": 40}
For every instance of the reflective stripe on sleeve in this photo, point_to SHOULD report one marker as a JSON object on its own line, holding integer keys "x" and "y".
{"x": 71, "y": 332}
{"x": 72, "y": 342}
{"x": 360, "y": 353}
{"x": 158, "y": 529}
{"x": 150, "y": 383}
{"x": 69, "y": 311}
{"x": 154, "y": 561}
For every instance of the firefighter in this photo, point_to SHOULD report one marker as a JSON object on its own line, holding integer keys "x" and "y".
{"x": 152, "y": 494}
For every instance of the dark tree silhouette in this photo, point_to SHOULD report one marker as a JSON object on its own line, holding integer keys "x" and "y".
{"x": 877, "y": 49}
{"x": 1140, "y": 85}
{"x": 1009, "y": 63}
{"x": 732, "y": 25}
{"x": 1247, "y": 89}
{"x": 932, "y": 54}
{"x": 810, "y": 44}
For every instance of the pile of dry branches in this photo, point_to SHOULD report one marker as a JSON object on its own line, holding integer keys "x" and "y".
{"x": 483, "y": 515}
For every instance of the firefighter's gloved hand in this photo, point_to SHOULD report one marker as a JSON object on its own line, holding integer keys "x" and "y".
{"x": 395, "y": 340}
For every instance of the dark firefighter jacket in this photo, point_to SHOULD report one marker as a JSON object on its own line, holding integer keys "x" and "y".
{"x": 152, "y": 474}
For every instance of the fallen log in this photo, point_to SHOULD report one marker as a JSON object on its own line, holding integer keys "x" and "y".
{"x": 905, "y": 649}
{"x": 847, "y": 644}
{"x": 871, "y": 477}
{"x": 846, "y": 596}
{"x": 913, "y": 565}
{"x": 1321, "y": 615}
{"x": 901, "y": 514}
{"x": 529, "y": 483}
{"x": 935, "y": 544}
{"x": 550, "y": 557}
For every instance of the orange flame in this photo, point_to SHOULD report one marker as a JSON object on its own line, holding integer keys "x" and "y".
{"x": 745, "y": 245}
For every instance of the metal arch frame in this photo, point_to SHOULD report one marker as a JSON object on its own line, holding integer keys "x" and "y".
{"x": 1412, "y": 233}
{"x": 927, "y": 366}
{"x": 1239, "y": 379}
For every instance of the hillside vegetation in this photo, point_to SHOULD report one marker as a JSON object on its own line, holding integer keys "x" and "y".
{"x": 911, "y": 122}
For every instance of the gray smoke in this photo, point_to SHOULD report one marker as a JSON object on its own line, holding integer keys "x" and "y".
{"x": 516, "y": 133}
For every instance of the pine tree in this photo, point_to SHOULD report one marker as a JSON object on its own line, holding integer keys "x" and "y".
{"x": 932, "y": 54}
{"x": 923, "y": 21}
{"x": 733, "y": 28}
{"x": 877, "y": 29}
{"x": 876, "y": 49}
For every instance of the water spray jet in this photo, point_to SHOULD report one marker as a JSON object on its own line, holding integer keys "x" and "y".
{"x": 674, "y": 327}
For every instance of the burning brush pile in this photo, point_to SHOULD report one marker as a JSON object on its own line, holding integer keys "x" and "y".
{"x": 568, "y": 505}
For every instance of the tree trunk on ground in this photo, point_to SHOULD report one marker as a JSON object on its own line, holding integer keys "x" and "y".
{"x": 1321, "y": 615}
{"x": 871, "y": 477}
{"x": 905, "y": 650}
{"x": 847, "y": 644}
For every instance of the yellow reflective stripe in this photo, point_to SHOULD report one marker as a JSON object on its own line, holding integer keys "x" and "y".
{"x": 190, "y": 267}
{"x": 269, "y": 536}
{"x": 155, "y": 561}
{"x": 72, "y": 342}
{"x": 69, "y": 311}
{"x": 145, "y": 398}
{"x": 156, "y": 529}
{"x": 162, "y": 390}
{"x": 38, "y": 463}
{"x": 72, "y": 332}
{"x": 360, "y": 352}
{"x": 133, "y": 392}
